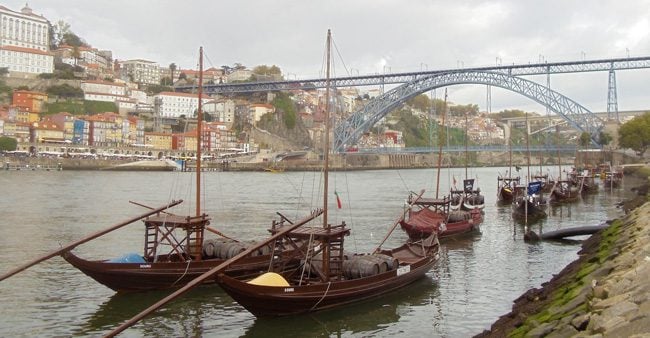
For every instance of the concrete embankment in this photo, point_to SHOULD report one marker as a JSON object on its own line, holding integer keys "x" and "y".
{"x": 604, "y": 293}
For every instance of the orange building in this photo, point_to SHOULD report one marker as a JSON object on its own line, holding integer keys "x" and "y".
{"x": 34, "y": 102}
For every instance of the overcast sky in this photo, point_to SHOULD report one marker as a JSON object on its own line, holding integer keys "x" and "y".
{"x": 375, "y": 36}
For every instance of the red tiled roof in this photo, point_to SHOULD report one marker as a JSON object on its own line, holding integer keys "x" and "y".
{"x": 25, "y": 50}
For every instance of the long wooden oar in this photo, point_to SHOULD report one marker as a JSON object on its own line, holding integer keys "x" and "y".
{"x": 211, "y": 229}
{"x": 399, "y": 219}
{"x": 86, "y": 239}
{"x": 198, "y": 280}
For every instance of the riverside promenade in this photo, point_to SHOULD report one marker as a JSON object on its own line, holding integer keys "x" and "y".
{"x": 604, "y": 293}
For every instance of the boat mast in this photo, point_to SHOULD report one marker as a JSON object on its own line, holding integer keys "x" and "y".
{"x": 326, "y": 151}
{"x": 442, "y": 123}
{"x": 199, "y": 127}
{"x": 466, "y": 153}
{"x": 326, "y": 146}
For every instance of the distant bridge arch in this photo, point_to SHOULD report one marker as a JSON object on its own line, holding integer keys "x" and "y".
{"x": 350, "y": 130}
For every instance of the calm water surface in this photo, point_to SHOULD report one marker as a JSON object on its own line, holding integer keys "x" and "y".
{"x": 474, "y": 283}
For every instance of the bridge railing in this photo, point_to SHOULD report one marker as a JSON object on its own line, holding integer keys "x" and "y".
{"x": 459, "y": 149}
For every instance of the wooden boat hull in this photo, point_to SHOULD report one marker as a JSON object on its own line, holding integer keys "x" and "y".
{"x": 132, "y": 277}
{"x": 528, "y": 214}
{"x": 431, "y": 222}
{"x": 273, "y": 301}
{"x": 506, "y": 195}
{"x": 562, "y": 196}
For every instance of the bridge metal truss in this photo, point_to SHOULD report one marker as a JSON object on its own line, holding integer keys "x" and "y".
{"x": 348, "y": 132}
{"x": 382, "y": 79}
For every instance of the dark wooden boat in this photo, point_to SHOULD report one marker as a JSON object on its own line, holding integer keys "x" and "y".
{"x": 292, "y": 295}
{"x": 330, "y": 276}
{"x": 506, "y": 188}
{"x": 175, "y": 247}
{"x": 613, "y": 179}
{"x": 180, "y": 264}
{"x": 563, "y": 192}
{"x": 586, "y": 184}
{"x": 472, "y": 198}
{"x": 529, "y": 206}
{"x": 430, "y": 216}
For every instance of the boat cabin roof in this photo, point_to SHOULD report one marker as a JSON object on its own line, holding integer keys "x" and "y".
{"x": 319, "y": 233}
{"x": 432, "y": 201}
{"x": 178, "y": 221}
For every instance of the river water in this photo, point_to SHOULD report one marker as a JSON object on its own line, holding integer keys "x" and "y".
{"x": 474, "y": 283}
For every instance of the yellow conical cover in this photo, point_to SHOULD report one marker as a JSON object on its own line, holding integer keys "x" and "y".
{"x": 269, "y": 279}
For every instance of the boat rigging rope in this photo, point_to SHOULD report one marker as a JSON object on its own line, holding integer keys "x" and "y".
{"x": 324, "y": 294}
{"x": 184, "y": 273}
{"x": 275, "y": 244}
{"x": 304, "y": 266}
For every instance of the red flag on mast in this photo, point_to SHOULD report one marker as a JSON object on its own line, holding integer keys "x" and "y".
{"x": 338, "y": 200}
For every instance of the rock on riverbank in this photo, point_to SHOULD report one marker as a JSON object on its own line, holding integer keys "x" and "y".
{"x": 604, "y": 293}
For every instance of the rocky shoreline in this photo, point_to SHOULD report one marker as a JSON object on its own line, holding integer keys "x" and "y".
{"x": 604, "y": 293}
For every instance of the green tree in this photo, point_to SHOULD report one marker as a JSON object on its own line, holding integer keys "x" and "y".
{"x": 635, "y": 134}
{"x": 59, "y": 30}
{"x": 172, "y": 69}
{"x": 420, "y": 102}
{"x": 285, "y": 105}
{"x": 65, "y": 91}
{"x": 8, "y": 143}
{"x": 604, "y": 138}
{"x": 155, "y": 89}
{"x": 265, "y": 72}
{"x": 166, "y": 81}
{"x": 72, "y": 39}
{"x": 584, "y": 140}
{"x": 461, "y": 110}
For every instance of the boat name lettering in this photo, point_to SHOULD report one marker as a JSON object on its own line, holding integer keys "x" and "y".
{"x": 145, "y": 266}
{"x": 403, "y": 270}
{"x": 288, "y": 289}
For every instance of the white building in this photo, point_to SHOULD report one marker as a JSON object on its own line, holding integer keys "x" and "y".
{"x": 140, "y": 71}
{"x": 221, "y": 110}
{"x": 176, "y": 104}
{"x": 24, "y": 42}
{"x": 102, "y": 87}
{"x": 257, "y": 110}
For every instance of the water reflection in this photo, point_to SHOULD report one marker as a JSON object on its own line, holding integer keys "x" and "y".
{"x": 182, "y": 317}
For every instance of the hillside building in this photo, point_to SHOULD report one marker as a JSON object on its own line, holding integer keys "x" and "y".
{"x": 24, "y": 43}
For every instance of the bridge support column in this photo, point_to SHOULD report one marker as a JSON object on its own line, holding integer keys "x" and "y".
{"x": 612, "y": 100}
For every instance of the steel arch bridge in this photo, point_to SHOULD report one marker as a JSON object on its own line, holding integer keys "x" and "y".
{"x": 348, "y": 131}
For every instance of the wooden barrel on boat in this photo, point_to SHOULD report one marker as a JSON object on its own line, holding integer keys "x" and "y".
{"x": 382, "y": 263}
{"x": 208, "y": 248}
{"x": 360, "y": 266}
{"x": 459, "y": 215}
{"x": 235, "y": 249}
{"x": 227, "y": 249}
{"x": 391, "y": 262}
